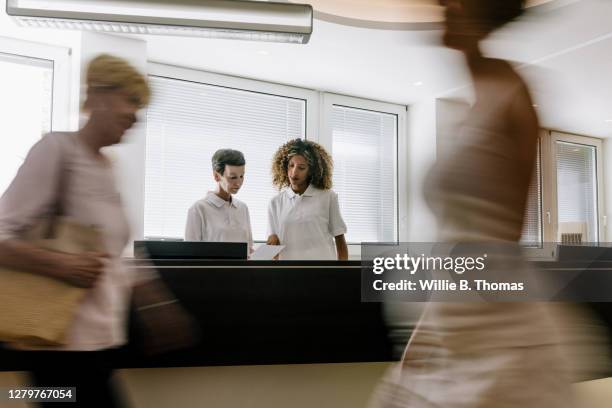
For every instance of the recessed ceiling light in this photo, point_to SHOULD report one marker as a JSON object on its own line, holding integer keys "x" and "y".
{"x": 608, "y": 120}
{"x": 418, "y": 83}
{"x": 263, "y": 52}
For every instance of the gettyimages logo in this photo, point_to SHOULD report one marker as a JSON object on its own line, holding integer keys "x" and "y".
{"x": 447, "y": 272}
{"x": 412, "y": 264}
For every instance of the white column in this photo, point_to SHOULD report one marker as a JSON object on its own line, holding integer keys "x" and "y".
{"x": 128, "y": 157}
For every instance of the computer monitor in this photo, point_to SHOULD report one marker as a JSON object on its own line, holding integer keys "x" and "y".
{"x": 190, "y": 250}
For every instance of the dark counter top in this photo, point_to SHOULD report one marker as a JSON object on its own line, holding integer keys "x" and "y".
{"x": 281, "y": 312}
{"x": 265, "y": 312}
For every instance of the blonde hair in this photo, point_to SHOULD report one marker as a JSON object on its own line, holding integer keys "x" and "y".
{"x": 107, "y": 72}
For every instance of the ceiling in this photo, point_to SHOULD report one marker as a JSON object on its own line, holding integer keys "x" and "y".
{"x": 563, "y": 47}
{"x": 359, "y": 12}
{"x": 566, "y": 55}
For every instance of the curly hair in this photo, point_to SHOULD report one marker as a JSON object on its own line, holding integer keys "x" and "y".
{"x": 113, "y": 73}
{"x": 320, "y": 163}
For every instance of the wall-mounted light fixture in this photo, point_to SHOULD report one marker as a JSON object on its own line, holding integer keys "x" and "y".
{"x": 230, "y": 19}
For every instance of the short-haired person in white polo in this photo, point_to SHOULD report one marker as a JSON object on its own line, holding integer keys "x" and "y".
{"x": 305, "y": 215}
{"x": 219, "y": 216}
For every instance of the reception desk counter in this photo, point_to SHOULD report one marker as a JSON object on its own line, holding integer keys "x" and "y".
{"x": 263, "y": 312}
{"x": 286, "y": 312}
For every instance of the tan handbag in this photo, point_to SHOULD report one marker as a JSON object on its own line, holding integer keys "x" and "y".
{"x": 38, "y": 310}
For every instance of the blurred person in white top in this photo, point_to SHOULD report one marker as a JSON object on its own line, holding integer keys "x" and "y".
{"x": 305, "y": 215}
{"x": 219, "y": 216}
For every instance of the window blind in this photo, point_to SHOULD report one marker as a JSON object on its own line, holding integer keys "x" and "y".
{"x": 27, "y": 93}
{"x": 532, "y": 224}
{"x": 186, "y": 123}
{"x": 365, "y": 150}
{"x": 577, "y": 189}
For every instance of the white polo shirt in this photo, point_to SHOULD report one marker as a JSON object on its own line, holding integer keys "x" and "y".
{"x": 306, "y": 224}
{"x": 213, "y": 219}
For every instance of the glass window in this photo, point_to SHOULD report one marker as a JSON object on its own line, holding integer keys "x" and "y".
{"x": 187, "y": 122}
{"x": 26, "y": 99}
{"x": 364, "y": 145}
{"x": 577, "y": 193}
{"x": 532, "y": 225}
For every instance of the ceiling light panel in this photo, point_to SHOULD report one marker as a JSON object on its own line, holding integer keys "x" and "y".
{"x": 234, "y": 19}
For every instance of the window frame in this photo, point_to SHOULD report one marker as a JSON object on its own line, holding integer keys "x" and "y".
{"x": 548, "y": 139}
{"x": 547, "y": 250}
{"x": 328, "y": 101}
{"x": 244, "y": 84}
{"x": 540, "y": 160}
{"x": 553, "y": 137}
{"x": 60, "y": 58}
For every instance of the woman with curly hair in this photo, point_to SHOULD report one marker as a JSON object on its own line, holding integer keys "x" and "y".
{"x": 305, "y": 215}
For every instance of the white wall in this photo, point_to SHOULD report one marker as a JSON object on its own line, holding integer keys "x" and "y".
{"x": 129, "y": 156}
{"x": 607, "y": 183}
{"x": 421, "y": 156}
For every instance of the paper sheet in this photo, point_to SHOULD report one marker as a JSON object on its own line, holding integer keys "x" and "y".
{"x": 266, "y": 252}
